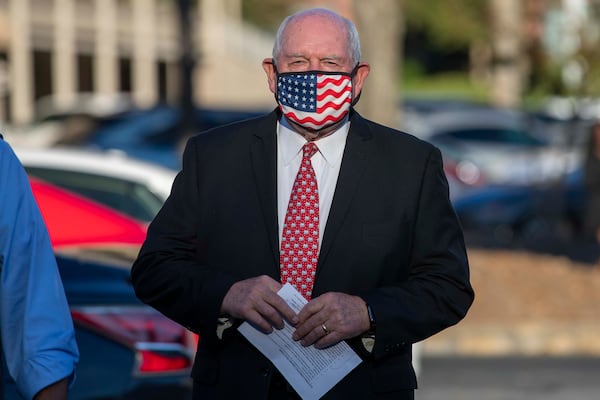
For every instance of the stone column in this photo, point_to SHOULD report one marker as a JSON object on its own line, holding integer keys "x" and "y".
{"x": 106, "y": 62}
{"x": 64, "y": 58}
{"x": 508, "y": 57}
{"x": 144, "y": 69}
{"x": 20, "y": 62}
{"x": 210, "y": 72}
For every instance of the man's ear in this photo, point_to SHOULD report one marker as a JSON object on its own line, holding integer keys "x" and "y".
{"x": 269, "y": 66}
{"x": 362, "y": 71}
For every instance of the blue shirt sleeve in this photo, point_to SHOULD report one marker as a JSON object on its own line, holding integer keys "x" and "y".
{"x": 38, "y": 338}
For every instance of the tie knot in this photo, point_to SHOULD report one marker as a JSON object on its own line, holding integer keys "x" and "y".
{"x": 309, "y": 149}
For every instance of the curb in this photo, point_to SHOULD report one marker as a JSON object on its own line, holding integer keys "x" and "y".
{"x": 549, "y": 338}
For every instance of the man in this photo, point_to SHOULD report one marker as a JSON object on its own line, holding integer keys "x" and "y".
{"x": 391, "y": 262}
{"x": 37, "y": 335}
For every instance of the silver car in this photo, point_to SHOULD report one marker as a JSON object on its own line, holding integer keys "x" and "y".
{"x": 133, "y": 187}
{"x": 488, "y": 146}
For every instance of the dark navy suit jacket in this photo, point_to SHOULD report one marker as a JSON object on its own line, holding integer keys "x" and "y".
{"x": 392, "y": 238}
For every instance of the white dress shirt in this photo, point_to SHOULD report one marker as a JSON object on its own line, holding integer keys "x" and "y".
{"x": 326, "y": 163}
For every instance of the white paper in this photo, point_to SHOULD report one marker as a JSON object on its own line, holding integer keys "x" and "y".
{"x": 310, "y": 371}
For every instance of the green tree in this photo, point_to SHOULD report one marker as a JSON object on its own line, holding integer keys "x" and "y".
{"x": 448, "y": 24}
{"x": 266, "y": 14}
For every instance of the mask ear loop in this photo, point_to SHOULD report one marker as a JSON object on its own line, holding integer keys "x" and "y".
{"x": 276, "y": 83}
{"x": 352, "y": 75}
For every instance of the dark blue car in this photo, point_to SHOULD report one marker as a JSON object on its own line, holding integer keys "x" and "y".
{"x": 145, "y": 355}
{"x": 128, "y": 350}
{"x": 543, "y": 218}
{"x": 155, "y": 134}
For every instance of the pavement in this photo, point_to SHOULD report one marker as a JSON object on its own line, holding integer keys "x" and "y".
{"x": 509, "y": 378}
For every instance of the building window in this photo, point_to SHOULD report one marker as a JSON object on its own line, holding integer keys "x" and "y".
{"x": 162, "y": 81}
{"x": 85, "y": 65}
{"x": 125, "y": 75}
{"x": 42, "y": 73}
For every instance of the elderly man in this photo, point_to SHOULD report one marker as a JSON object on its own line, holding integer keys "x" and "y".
{"x": 355, "y": 215}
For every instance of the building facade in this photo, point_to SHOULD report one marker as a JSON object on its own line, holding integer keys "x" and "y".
{"x": 53, "y": 51}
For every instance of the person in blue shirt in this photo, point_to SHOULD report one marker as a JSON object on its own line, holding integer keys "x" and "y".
{"x": 37, "y": 334}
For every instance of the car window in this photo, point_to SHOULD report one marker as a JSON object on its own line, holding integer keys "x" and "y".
{"x": 493, "y": 135}
{"x": 128, "y": 197}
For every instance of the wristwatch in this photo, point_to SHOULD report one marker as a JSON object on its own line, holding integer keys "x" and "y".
{"x": 372, "y": 324}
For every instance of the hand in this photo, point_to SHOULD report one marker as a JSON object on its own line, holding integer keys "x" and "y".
{"x": 55, "y": 391}
{"x": 331, "y": 318}
{"x": 256, "y": 300}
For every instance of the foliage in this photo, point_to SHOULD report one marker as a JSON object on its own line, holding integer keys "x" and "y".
{"x": 442, "y": 85}
{"x": 448, "y": 24}
{"x": 266, "y": 14}
{"x": 589, "y": 56}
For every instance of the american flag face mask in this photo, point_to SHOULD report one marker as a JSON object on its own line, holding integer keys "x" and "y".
{"x": 314, "y": 99}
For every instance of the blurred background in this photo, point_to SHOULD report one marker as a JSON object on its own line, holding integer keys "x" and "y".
{"x": 98, "y": 97}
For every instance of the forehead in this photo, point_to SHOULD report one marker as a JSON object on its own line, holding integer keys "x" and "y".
{"x": 315, "y": 35}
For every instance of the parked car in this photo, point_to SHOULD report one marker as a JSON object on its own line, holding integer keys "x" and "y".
{"x": 134, "y": 187}
{"x": 157, "y": 134}
{"x": 127, "y": 349}
{"x": 73, "y": 220}
{"x": 489, "y": 146}
{"x": 544, "y": 218}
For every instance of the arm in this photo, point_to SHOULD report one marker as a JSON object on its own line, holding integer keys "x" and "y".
{"x": 179, "y": 271}
{"x": 171, "y": 272}
{"x": 437, "y": 293}
{"x": 37, "y": 330}
{"x": 426, "y": 285}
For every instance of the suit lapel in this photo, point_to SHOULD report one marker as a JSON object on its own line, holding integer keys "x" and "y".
{"x": 354, "y": 162}
{"x": 263, "y": 153}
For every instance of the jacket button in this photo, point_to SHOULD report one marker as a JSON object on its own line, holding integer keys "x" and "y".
{"x": 265, "y": 372}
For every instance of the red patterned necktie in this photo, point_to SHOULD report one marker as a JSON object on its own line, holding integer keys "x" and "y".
{"x": 300, "y": 239}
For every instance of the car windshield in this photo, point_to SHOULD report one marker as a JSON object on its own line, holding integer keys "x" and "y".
{"x": 492, "y": 135}
{"x": 128, "y": 197}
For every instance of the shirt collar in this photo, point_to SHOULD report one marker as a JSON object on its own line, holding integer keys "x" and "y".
{"x": 331, "y": 147}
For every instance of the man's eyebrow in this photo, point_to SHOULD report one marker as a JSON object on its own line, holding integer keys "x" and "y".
{"x": 335, "y": 58}
{"x": 326, "y": 57}
{"x": 295, "y": 55}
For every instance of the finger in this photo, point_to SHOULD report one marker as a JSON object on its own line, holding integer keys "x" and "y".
{"x": 257, "y": 320}
{"x": 275, "y": 310}
{"x": 269, "y": 304}
{"x": 283, "y": 309}
{"x": 310, "y": 329}
{"x": 312, "y": 315}
{"x": 315, "y": 335}
{"x": 327, "y": 340}
{"x": 313, "y": 307}
{"x": 256, "y": 301}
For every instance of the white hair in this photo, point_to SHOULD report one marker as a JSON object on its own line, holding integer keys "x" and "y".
{"x": 351, "y": 32}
